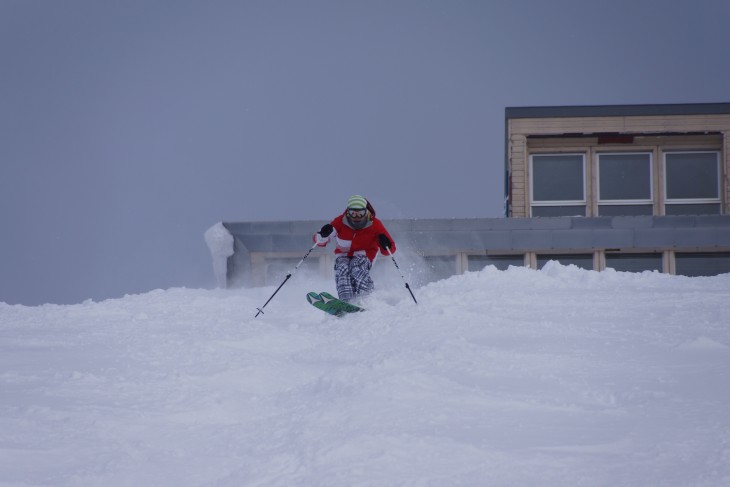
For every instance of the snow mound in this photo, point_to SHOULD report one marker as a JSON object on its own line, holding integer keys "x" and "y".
{"x": 555, "y": 377}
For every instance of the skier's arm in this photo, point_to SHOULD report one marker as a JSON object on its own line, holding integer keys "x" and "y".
{"x": 385, "y": 241}
{"x": 323, "y": 236}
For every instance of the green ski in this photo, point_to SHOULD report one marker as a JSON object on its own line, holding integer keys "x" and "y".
{"x": 330, "y": 304}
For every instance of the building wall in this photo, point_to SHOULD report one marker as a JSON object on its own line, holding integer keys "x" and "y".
{"x": 265, "y": 251}
{"x": 656, "y": 134}
{"x": 726, "y": 169}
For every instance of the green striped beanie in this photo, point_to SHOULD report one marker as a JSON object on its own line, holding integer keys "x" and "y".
{"x": 357, "y": 202}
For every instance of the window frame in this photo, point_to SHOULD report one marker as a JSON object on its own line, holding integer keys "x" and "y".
{"x": 692, "y": 201}
{"x": 548, "y": 203}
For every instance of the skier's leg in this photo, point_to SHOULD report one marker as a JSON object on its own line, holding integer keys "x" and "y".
{"x": 360, "y": 272}
{"x": 343, "y": 278}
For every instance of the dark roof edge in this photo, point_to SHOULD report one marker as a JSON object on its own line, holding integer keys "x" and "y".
{"x": 617, "y": 110}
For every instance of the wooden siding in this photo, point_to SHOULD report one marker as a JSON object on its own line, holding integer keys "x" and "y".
{"x": 627, "y": 125}
{"x": 518, "y": 175}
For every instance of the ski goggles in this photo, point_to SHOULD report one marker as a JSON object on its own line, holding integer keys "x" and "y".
{"x": 357, "y": 213}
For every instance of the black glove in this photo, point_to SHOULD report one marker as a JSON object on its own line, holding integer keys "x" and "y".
{"x": 384, "y": 241}
{"x": 326, "y": 230}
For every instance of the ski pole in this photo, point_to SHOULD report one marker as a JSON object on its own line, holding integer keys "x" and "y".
{"x": 401, "y": 275}
{"x": 261, "y": 309}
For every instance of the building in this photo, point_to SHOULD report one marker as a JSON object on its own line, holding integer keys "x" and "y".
{"x": 631, "y": 187}
{"x": 618, "y": 160}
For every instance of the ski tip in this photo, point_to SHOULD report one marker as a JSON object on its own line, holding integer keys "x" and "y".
{"x": 313, "y": 298}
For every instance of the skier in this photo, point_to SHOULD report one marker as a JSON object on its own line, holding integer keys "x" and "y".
{"x": 359, "y": 236}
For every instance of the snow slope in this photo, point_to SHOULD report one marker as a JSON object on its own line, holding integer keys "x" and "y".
{"x": 559, "y": 377}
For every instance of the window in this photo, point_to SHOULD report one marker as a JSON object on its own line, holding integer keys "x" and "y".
{"x": 439, "y": 267}
{"x": 558, "y": 185}
{"x": 584, "y": 261}
{"x": 692, "y": 183}
{"x": 634, "y": 262}
{"x": 501, "y": 262}
{"x": 702, "y": 264}
{"x": 624, "y": 184}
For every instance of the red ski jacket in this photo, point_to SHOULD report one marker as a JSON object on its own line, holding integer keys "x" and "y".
{"x": 357, "y": 242}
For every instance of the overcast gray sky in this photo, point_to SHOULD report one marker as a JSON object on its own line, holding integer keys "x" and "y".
{"x": 127, "y": 128}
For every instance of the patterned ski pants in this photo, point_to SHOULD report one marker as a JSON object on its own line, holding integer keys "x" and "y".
{"x": 352, "y": 276}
